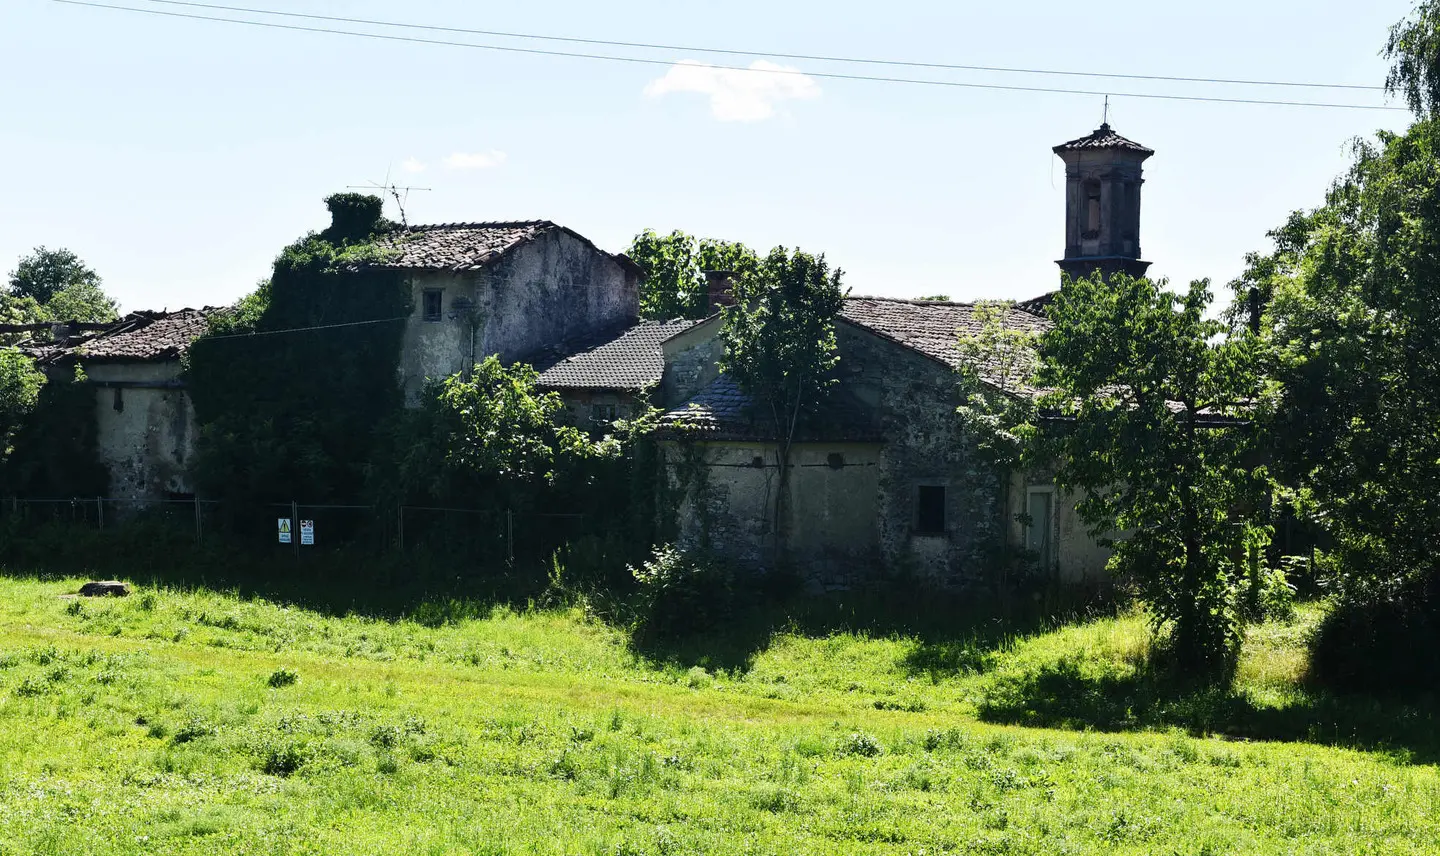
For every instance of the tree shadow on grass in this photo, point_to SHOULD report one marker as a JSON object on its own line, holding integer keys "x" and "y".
{"x": 953, "y": 633}
{"x": 335, "y": 581}
{"x": 1067, "y": 695}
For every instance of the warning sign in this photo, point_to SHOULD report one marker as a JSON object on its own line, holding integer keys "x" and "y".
{"x": 284, "y": 530}
{"x": 307, "y": 533}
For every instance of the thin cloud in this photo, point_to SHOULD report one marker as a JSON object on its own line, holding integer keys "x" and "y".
{"x": 413, "y": 165}
{"x": 475, "y": 160}
{"x": 737, "y": 95}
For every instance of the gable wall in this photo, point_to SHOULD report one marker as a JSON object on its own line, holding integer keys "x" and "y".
{"x": 555, "y": 288}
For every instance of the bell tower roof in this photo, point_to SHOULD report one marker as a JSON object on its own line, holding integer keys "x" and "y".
{"x": 1103, "y": 175}
{"x": 1103, "y": 138}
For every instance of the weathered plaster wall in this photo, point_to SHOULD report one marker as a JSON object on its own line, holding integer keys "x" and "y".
{"x": 725, "y": 494}
{"x": 692, "y": 362}
{"x": 146, "y": 434}
{"x": 553, "y": 289}
{"x": 580, "y": 404}
{"x": 1078, "y": 558}
{"x": 917, "y": 398}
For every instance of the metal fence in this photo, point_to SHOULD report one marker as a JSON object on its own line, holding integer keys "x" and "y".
{"x": 303, "y": 527}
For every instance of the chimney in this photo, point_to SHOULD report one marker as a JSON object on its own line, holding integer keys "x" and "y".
{"x": 719, "y": 289}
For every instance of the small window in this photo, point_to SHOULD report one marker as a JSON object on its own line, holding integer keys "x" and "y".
{"x": 1092, "y": 207}
{"x": 431, "y": 304}
{"x": 930, "y": 510}
{"x": 835, "y": 461}
{"x": 603, "y": 413}
{"x": 1040, "y": 523}
{"x": 119, "y": 401}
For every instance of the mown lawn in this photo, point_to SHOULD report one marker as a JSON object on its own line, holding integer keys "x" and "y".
{"x": 169, "y": 722}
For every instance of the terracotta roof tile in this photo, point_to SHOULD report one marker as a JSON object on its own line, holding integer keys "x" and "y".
{"x": 932, "y": 328}
{"x": 1103, "y": 138}
{"x": 143, "y": 336}
{"x": 459, "y": 246}
{"x": 722, "y": 411}
{"x": 632, "y": 359}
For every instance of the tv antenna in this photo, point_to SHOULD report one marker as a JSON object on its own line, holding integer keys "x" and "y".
{"x": 1105, "y": 116}
{"x": 401, "y": 195}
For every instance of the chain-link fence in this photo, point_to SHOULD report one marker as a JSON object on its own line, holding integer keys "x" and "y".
{"x": 482, "y": 536}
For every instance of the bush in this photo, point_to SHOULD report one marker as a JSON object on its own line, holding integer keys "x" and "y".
{"x": 1385, "y": 642}
{"x": 681, "y": 595}
{"x": 282, "y": 677}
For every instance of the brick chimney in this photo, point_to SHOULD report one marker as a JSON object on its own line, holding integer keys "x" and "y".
{"x": 719, "y": 289}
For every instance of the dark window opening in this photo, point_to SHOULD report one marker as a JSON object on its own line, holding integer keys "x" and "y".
{"x": 930, "y": 510}
{"x": 1092, "y": 209}
{"x": 835, "y": 460}
{"x": 757, "y": 462}
{"x": 431, "y": 304}
{"x": 603, "y": 413}
{"x": 119, "y": 402}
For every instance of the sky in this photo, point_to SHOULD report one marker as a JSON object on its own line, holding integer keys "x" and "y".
{"x": 177, "y": 157}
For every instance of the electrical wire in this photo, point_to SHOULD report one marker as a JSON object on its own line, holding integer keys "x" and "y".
{"x": 305, "y": 329}
{"x": 753, "y": 53}
{"x": 667, "y": 63}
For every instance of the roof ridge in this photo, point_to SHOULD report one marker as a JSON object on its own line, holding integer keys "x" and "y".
{"x": 479, "y": 224}
{"x": 914, "y": 301}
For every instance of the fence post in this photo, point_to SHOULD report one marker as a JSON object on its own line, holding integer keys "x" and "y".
{"x": 295, "y": 527}
{"x": 509, "y": 538}
{"x": 100, "y": 512}
{"x": 400, "y": 526}
{"x": 199, "y": 522}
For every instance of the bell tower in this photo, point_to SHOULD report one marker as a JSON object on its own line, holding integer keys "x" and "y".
{"x": 1102, "y": 204}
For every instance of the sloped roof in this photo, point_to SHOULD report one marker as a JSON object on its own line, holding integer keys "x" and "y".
{"x": 722, "y": 411}
{"x": 631, "y": 359}
{"x": 139, "y": 336}
{"x": 468, "y": 246}
{"x": 1103, "y": 138}
{"x": 932, "y": 328}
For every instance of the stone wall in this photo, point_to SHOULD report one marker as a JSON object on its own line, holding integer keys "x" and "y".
{"x": 692, "y": 362}
{"x": 146, "y": 428}
{"x": 724, "y": 500}
{"x": 862, "y": 518}
{"x": 554, "y": 289}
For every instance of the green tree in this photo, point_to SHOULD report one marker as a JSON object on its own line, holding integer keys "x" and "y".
{"x": 997, "y": 382}
{"x": 81, "y": 301}
{"x": 1151, "y": 405}
{"x": 675, "y": 265}
{"x": 20, "y": 384}
{"x": 1414, "y": 53}
{"x": 780, "y": 347}
{"x": 45, "y": 272}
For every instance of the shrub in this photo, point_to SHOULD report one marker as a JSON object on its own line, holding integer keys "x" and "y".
{"x": 1384, "y": 642}
{"x": 283, "y": 760}
{"x": 681, "y": 595}
{"x": 862, "y": 745}
{"x": 282, "y": 677}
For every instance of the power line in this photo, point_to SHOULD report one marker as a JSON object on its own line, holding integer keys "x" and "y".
{"x": 304, "y": 329}
{"x": 668, "y": 63}
{"x": 736, "y": 52}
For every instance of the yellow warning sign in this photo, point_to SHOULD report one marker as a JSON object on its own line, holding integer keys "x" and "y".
{"x": 284, "y": 530}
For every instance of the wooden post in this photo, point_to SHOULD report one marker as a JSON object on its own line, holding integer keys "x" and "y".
{"x": 99, "y": 513}
{"x": 509, "y": 538}
{"x": 295, "y": 527}
{"x": 400, "y": 526}
{"x": 199, "y": 522}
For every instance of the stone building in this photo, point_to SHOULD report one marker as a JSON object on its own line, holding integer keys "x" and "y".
{"x": 146, "y": 424}
{"x": 608, "y": 379}
{"x": 518, "y": 289}
{"x": 881, "y": 479}
{"x": 526, "y": 291}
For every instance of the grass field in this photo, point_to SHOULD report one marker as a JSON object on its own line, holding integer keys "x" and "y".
{"x": 196, "y": 722}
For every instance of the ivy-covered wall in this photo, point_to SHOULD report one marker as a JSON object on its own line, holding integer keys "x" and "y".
{"x": 290, "y": 389}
